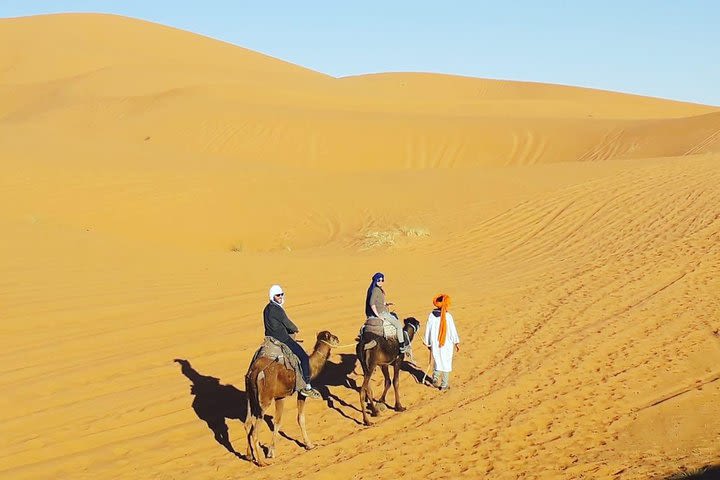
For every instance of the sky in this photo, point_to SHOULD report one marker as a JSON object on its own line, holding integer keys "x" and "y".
{"x": 660, "y": 48}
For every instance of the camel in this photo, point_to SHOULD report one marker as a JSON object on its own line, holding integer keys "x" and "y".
{"x": 386, "y": 352}
{"x": 277, "y": 383}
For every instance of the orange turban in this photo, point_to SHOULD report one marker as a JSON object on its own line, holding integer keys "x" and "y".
{"x": 442, "y": 302}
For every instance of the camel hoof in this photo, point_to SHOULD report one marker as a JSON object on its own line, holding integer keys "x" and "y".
{"x": 400, "y": 408}
{"x": 310, "y": 446}
{"x": 368, "y": 423}
{"x": 375, "y": 413}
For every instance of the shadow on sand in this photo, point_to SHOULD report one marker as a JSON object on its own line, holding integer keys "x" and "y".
{"x": 708, "y": 472}
{"x": 417, "y": 374}
{"x": 338, "y": 375}
{"x": 344, "y": 374}
{"x": 214, "y": 403}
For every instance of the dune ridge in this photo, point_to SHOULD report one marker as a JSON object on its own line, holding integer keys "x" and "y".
{"x": 149, "y": 196}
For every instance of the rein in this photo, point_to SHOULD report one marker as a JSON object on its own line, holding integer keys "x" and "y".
{"x": 337, "y": 346}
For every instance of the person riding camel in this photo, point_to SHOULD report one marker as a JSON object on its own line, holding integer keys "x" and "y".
{"x": 376, "y": 306}
{"x": 280, "y": 327}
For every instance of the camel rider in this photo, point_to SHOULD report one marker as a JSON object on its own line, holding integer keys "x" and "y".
{"x": 280, "y": 327}
{"x": 375, "y": 306}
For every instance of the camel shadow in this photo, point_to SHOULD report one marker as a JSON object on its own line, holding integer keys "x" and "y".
{"x": 417, "y": 374}
{"x": 269, "y": 421}
{"x": 214, "y": 403}
{"x": 338, "y": 375}
{"x": 708, "y": 472}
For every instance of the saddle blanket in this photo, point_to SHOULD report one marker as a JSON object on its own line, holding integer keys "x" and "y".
{"x": 379, "y": 326}
{"x": 276, "y": 350}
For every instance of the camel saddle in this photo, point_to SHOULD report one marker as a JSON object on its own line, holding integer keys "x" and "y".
{"x": 380, "y": 327}
{"x": 279, "y": 352}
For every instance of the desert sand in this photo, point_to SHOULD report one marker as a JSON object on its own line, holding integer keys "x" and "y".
{"x": 154, "y": 183}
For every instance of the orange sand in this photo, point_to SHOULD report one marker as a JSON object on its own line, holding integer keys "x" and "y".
{"x": 154, "y": 183}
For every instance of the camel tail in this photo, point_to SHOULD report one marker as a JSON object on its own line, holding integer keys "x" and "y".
{"x": 360, "y": 353}
{"x": 253, "y": 395}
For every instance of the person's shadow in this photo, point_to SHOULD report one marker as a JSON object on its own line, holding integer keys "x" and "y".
{"x": 215, "y": 402}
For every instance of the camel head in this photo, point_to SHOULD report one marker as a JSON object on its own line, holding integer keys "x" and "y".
{"x": 326, "y": 337}
{"x": 412, "y": 326}
{"x": 323, "y": 348}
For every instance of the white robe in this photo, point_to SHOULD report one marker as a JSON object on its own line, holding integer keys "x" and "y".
{"x": 442, "y": 355}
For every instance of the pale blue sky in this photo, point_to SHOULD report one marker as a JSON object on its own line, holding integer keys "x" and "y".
{"x": 663, "y": 48}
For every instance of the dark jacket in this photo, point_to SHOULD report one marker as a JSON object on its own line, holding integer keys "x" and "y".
{"x": 277, "y": 323}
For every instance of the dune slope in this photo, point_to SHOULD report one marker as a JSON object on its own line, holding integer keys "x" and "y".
{"x": 154, "y": 183}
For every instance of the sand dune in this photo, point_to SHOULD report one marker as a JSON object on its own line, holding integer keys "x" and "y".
{"x": 154, "y": 183}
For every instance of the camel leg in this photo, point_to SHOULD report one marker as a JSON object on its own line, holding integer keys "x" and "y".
{"x": 363, "y": 401}
{"x": 301, "y": 421}
{"x": 252, "y": 424}
{"x": 366, "y": 395}
{"x": 396, "y": 384}
{"x": 253, "y": 437}
{"x": 386, "y": 374}
{"x": 248, "y": 430}
{"x": 277, "y": 420}
{"x": 254, "y": 442}
{"x": 249, "y": 434}
{"x": 373, "y": 403}
{"x": 371, "y": 396}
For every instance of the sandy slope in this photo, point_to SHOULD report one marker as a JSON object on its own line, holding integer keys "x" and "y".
{"x": 154, "y": 183}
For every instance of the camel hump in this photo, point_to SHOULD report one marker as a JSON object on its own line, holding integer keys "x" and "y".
{"x": 374, "y": 321}
{"x": 380, "y": 327}
{"x": 272, "y": 350}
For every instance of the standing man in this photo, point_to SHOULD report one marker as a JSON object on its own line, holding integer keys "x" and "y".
{"x": 442, "y": 339}
{"x": 280, "y": 327}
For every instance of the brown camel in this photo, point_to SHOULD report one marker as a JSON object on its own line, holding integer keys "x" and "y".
{"x": 277, "y": 383}
{"x": 386, "y": 352}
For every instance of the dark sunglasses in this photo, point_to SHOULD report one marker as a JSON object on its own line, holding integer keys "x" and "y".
{"x": 280, "y": 295}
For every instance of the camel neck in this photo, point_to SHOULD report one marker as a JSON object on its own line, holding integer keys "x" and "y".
{"x": 318, "y": 359}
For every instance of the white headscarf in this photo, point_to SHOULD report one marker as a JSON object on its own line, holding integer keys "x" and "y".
{"x": 276, "y": 290}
